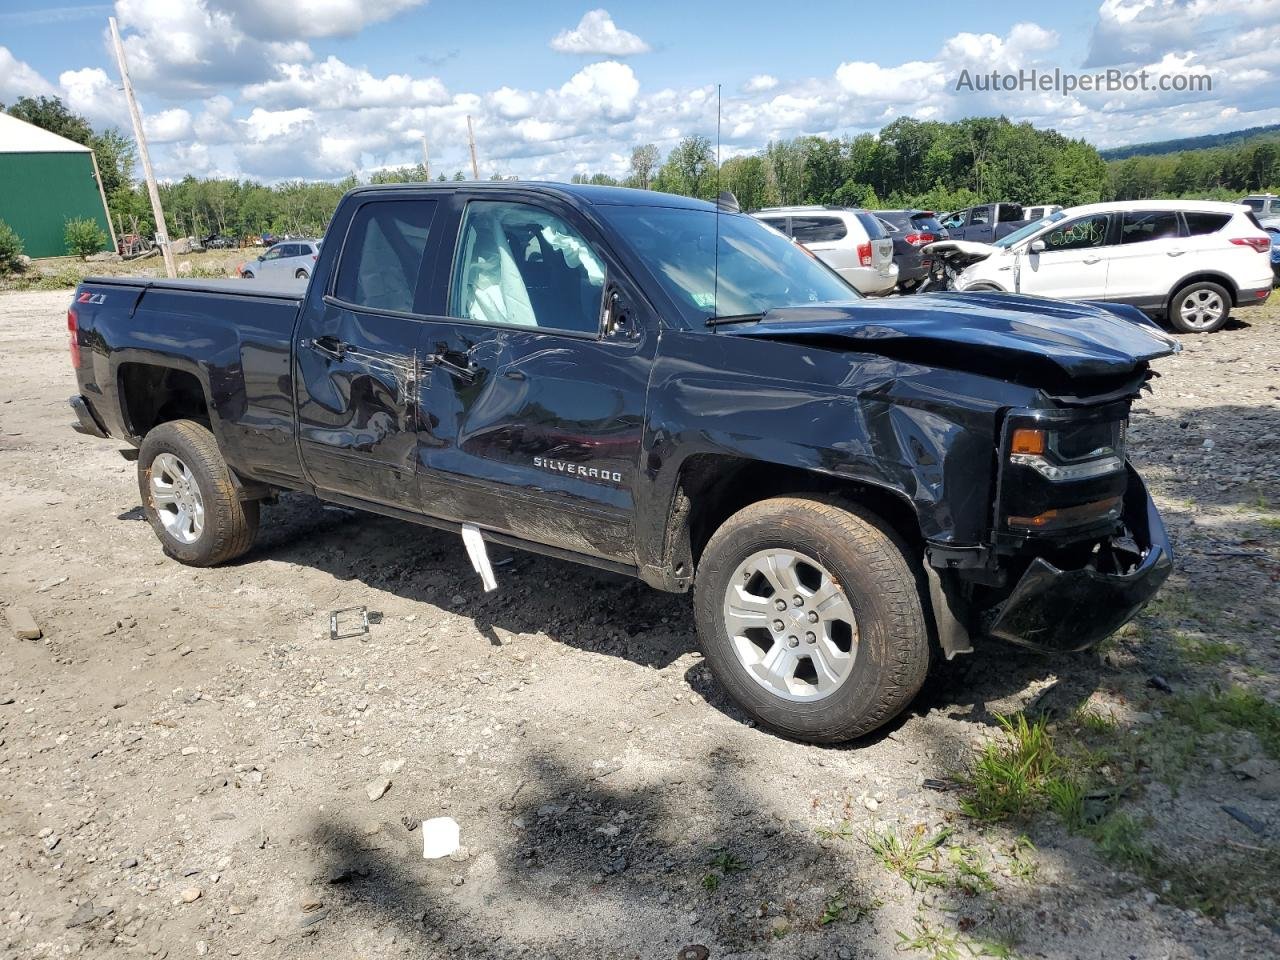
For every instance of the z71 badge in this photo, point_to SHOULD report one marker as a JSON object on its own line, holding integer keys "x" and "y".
{"x": 577, "y": 470}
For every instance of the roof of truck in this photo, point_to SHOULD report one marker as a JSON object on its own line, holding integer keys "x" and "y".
{"x": 581, "y": 192}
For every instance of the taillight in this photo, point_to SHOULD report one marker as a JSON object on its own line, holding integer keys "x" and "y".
{"x": 1260, "y": 244}
{"x": 73, "y": 336}
{"x": 315, "y": 256}
{"x": 919, "y": 239}
{"x": 864, "y": 254}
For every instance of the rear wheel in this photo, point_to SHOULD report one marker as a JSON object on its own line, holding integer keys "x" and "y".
{"x": 188, "y": 496}
{"x": 301, "y": 275}
{"x": 810, "y": 616}
{"x": 247, "y": 274}
{"x": 1200, "y": 308}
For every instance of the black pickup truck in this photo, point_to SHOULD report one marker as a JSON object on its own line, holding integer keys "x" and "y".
{"x": 664, "y": 388}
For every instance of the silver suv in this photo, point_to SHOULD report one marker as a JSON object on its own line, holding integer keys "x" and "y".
{"x": 853, "y": 243}
{"x": 288, "y": 258}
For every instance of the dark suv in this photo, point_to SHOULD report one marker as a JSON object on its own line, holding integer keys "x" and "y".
{"x": 910, "y": 231}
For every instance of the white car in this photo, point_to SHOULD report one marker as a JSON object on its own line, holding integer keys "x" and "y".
{"x": 1188, "y": 260}
{"x": 286, "y": 259}
{"x": 853, "y": 243}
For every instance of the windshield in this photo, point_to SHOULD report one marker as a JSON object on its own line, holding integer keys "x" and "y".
{"x": 759, "y": 268}
{"x": 1023, "y": 232}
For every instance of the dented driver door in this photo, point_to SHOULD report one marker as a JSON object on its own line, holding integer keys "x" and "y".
{"x": 356, "y": 363}
{"x": 533, "y": 400}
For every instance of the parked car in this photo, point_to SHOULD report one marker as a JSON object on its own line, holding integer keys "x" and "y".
{"x": 1265, "y": 206}
{"x": 218, "y": 241}
{"x": 288, "y": 258}
{"x": 1039, "y": 211}
{"x": 1188, "y": 260}
{"x": 1275, "y": 251}
{"x": 911, "y": 231}
{"x": 853, "y": 243}
{"x": 985, "y": 223}
{"x": 586, "y": 372}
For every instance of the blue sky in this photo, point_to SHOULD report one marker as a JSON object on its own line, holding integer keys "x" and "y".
{"x": 252, "y": 88}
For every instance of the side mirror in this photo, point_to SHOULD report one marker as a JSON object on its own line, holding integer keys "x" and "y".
{"x": 1037, "y": 246}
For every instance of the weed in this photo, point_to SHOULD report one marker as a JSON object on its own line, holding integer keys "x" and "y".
{"x": 971, "y": 875}
{"x": 710, "y": 882}
{"x": 943, "y": 945}
{"x": 1095, "y": 722}
{"x": 1120, "y": 839}
{"x": 915, "y": 859}
{"x": 1271, "y": 523}
{"x": 1008, "y": 778}
{"x": 842, "y": 832}
{"x": 841, "y": 906}
{"x": 1066, "y": 799}
{"x": 1022, "y": 862}
{"x": 727, "y": 863}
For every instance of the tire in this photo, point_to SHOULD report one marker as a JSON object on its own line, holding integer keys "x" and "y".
{"x": 246, "y": 275}
{"x": 983, "y": 288}
{"x": 854, "y": 556}
{"x": 1200, "y": 308}
{"x": 301, "y": 275}
{"x": 179, "y": 462}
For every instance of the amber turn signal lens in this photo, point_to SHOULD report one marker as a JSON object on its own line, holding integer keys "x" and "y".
{"x": 1027, "y": 441}
{"x": 1068, "y": 516}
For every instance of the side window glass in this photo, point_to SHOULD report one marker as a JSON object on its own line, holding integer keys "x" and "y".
{"x": 979, "y": 216}
{"x": 1140, "y": 226}
{"x": 521, "y": 265}
{"x": 273, "y": 253}
{"x": 818, "y": 229}
{"x": 382, "y": 258}
{"x": 779, "y": 225}
{"x": 1078, "y": 234}
{"x": 1199, "y": 224}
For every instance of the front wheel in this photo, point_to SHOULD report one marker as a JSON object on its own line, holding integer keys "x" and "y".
{"x": 1200, "y": 308}
{"x": 188, "y": 496}
{"x": 246, "y": 275}
{"x": 301, "y": 275}
{"x": 810, "y": 615}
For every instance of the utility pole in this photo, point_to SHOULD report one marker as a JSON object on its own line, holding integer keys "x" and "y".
{"x": 426, "y": 159}
{"x": 162, "y": 232}
{"x": 471, "y": 136}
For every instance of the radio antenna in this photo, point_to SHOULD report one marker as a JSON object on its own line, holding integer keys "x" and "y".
{"x": 715, "y": 288}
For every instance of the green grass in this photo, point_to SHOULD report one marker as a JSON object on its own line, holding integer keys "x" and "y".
{"x": 915, "y": 857}
{"x": 727, "y": 864}
{"x": 841, "y": 906}
{"x": 937, "y": 944}
{"x": 1236, "y": 708}
{"x": 1203, "y": 651}
{"x": 1009, "y": 776}
{"x": 1271, "y": 523}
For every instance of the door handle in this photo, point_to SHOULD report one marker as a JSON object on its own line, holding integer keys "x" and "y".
{"x": 1175, "y": 253}
{"x": 331, "y": 347}
{"x": 1091, "y": 260}
{"x": 469, "y": 372}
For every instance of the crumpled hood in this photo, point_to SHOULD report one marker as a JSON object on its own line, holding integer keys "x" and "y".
{"x": 1080, "y": 339}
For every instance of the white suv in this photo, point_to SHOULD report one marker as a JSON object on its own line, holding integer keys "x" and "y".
{"x": 1188, "y": 260}
{"x": 853, "y": 243}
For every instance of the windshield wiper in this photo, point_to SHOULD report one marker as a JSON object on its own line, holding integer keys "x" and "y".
{"x": 734, "y": 318}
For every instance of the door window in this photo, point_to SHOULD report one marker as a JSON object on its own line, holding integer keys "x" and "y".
{"x": 382, "y": 259}
{"x": 818, "y": 229}
{"x": 522, "y": 265}
{"x": 1078, "y": 234}
{"x": 954, "y": 221}
{"x": 1144, "y": 225}
{"x": 979, "y": 216}
{"x": 273, "y": 253}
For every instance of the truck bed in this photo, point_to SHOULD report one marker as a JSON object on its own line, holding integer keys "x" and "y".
{"x": 293, "y": 290}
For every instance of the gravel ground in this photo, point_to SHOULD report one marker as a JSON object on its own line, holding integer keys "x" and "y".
{"x": 187, "y": 759}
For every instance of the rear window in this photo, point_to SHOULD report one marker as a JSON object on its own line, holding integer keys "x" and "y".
{"x": 779, "y": 224}
{"x": 382, "y": 257}
{"x": 1256, "y": 204}
{"x": 1141, "y": 226}
{"x": 1198, "y": 224}
{"x": 926, "y": 223}
{"x": 871, "y": 223}
{"x": 819, "y": 229}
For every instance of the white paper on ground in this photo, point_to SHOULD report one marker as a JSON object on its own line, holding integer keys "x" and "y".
{"x": 479, "y": 555}
{"x": 441, "y": 836}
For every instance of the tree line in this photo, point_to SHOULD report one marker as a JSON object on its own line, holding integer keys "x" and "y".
{"x": 910, "y": 163}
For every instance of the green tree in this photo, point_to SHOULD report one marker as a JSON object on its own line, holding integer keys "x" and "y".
{"x": 84, "y": 237}
{"x": 644, "y": 162}
{"x": 115, "y": 155}
{"x": 690, "y": 169}
{"x": 10, "y": 250}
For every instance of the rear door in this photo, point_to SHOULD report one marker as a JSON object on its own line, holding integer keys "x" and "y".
{"x": 1073, "y": 265}
{"x": 1150, "y": 255}
{"x": 356, "y": 365}
{"x": 881, "y": 243}
{"x": 534, "y": 412}
{"x": 978, "y": 226}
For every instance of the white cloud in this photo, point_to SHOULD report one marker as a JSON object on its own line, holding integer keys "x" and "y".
{"x": 95, "y": 95}
{"x": 337, "y": 86}
{"x": 19, "y": 79}
{"x": 608, "y": 85}
{"x": 760, "y": 83}
{"x": 311, "y": 20}
{"x": 596, "y": 34}
{"x": 168, "y": 126}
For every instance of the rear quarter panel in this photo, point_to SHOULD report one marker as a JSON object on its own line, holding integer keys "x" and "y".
{"x": 238, "y": 347}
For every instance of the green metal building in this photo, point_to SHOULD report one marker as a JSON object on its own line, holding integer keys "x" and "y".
{"x": 46, "y": 180}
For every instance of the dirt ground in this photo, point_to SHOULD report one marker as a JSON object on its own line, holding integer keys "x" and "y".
{"x": 187, "y": 759}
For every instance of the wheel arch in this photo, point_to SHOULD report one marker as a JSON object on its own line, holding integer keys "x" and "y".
{"x": 1203, "y": 276}
{"x": 152, "y": 393}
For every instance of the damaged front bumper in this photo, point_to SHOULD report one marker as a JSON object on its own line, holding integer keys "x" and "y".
{"x": 1064, "y": 610}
